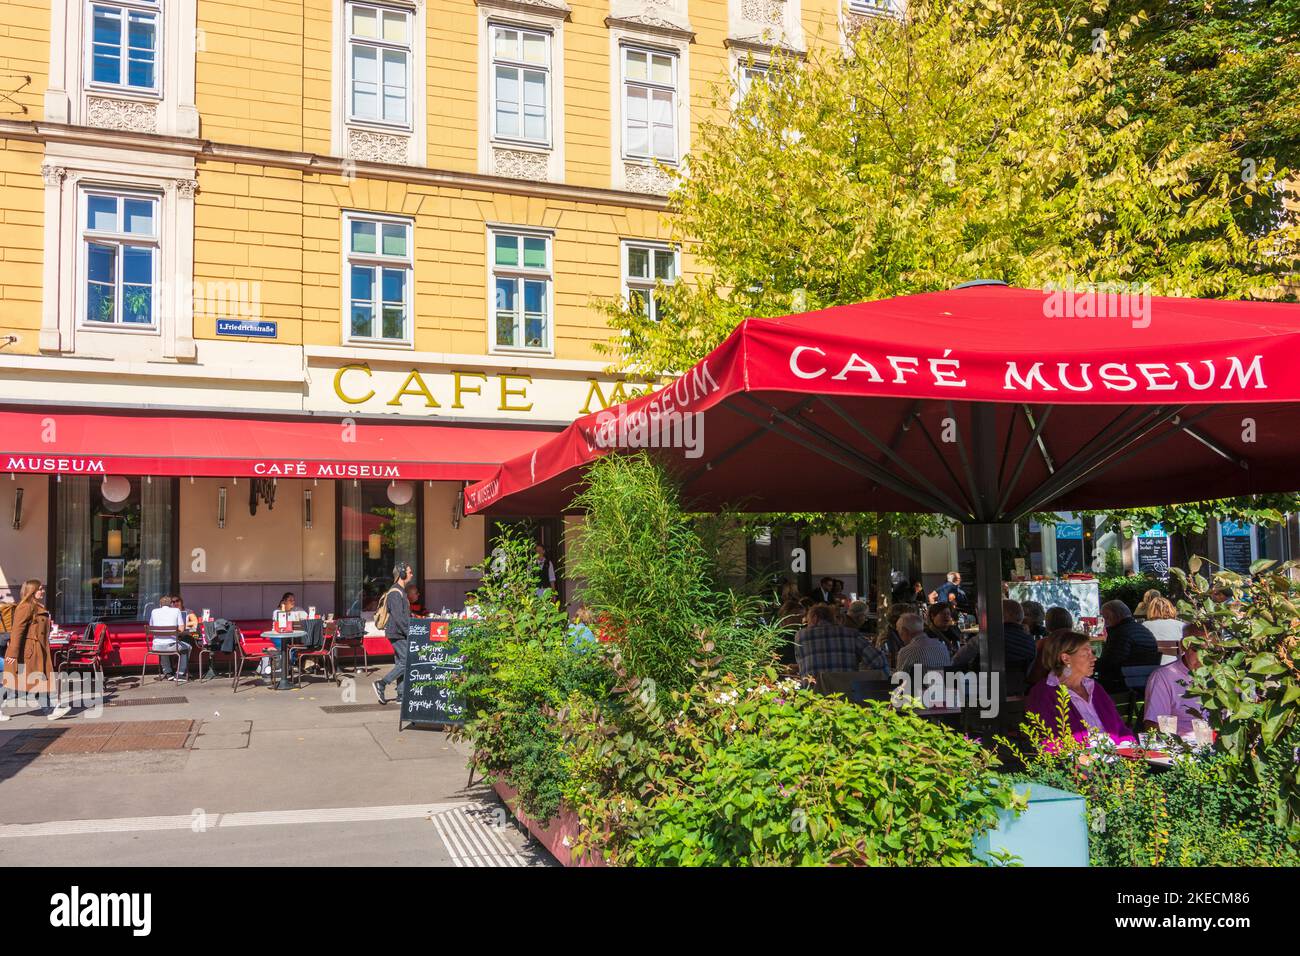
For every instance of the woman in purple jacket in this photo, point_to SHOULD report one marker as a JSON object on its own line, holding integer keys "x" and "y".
{"x": 1069, "y": 656}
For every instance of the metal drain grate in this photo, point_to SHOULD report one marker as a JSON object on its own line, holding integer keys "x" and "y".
{"x": 146, "y": 701}
{"x": 358, "y": 708}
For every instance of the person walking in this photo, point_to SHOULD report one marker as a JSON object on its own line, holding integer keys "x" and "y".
{"x": 29, "y": 665}
{"x": 394, "y": 617}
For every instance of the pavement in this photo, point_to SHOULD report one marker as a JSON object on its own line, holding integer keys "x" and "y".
{"x": 166, "y": 774}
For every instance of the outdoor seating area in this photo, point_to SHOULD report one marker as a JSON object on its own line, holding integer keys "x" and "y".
{"x": 282, "y": 661}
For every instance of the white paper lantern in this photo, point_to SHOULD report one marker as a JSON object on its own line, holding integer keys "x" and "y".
{"x": 401, "y": 492}
{"x": 115, "y": 488}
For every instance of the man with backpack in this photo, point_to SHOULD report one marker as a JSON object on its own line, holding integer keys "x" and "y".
{"x": 393, "y": 617}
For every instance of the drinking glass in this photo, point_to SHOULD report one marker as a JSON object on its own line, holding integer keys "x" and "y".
{"x": 1204, "y": 735}
{"x": 1168, "y": 724}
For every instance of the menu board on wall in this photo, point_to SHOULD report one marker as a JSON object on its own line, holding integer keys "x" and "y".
{"x": 1235, "y": 539}
{"x": 1069, "y": 546}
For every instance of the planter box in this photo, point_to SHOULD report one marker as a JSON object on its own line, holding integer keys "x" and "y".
{"x": 1053, "y": 831}
{"x": 553, "y": 833}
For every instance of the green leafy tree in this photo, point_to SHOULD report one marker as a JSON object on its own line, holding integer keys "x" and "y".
{"x": 1225, "y": 72}
{"x": 965, "y": 139}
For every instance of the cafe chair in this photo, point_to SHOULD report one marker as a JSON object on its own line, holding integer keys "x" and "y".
{"x": 324, "y": 654}
{"x": 350, "y": 633}
{"x": 89, "y": 650}
{"x": 1135, "y": 680}
{"x": 160, "y": 633}
{"x": 242, "y": 655}
{"x": 865, "y": 687}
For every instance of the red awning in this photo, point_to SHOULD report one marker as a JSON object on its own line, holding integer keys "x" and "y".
{"x": 56, "y": 441}
{"x": 985, "y": 403}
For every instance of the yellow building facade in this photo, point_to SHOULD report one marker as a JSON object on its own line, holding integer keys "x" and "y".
{"x": 332, "y": 212}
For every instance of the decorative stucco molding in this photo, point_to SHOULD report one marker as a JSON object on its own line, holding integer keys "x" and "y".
{"x": 138, "y": 116}
{"x": 378, "y": 147}
{"x": 643, "y": 178}
{"x": 521, "y": 164}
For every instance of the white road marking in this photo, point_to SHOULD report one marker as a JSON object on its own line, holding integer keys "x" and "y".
{"x": 221, "y": 820}
{"x": 472, "y": 840}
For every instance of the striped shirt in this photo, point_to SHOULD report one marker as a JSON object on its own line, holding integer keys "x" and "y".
{"x": 930, "y": 653}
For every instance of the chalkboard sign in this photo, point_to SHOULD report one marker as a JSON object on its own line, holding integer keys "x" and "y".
{"x": 1153, "y": 556}
{"x": 1069, "y": 556}
{"x": 431, "y": 656}
{"x": 1236, "y": 553}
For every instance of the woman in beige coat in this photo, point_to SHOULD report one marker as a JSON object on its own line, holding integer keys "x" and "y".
{"x": 29, "y": 665}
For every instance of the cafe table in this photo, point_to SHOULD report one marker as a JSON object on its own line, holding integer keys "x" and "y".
{"x": 285, "y": 639}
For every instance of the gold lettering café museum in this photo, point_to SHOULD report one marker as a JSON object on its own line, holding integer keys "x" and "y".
{"x": 279, "y": 278}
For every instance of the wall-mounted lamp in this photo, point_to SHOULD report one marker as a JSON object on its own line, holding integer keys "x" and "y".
{"x": 18, "y": 508}
{"x": 306, "y": 508}
{"x": 115, "y": 543}
{"x": 221, "y": 507}
{"x": 376, "y": 543}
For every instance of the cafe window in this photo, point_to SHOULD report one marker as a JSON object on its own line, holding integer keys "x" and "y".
{"x": 114, "y": 547}
{"x": 379, "y": 525}
{"x": 379, "y": 279}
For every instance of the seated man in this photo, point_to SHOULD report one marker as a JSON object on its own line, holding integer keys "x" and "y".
{"x": 1167, "y": 695}
{"x": 1020, "y": 649}
{"x": 822, "y": 645}
{"x": 1035, "y": 622}
{"x": 919, "y": 648}
{"x": 166, "y": 615}
{"x": 943, "y": 627}
{"x": 1128, "y": 644}
{"x": 1058, "y": 619}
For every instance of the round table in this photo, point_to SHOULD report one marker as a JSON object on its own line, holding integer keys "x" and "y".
{"x": 285, "y": 638}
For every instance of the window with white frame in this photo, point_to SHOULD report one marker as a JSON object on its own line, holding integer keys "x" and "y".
{"x": 124, "y": 45}
{"x": 521, "y": 84}
{"x": 379, "y": 64}
{"x": 521, "y": 289}
{"x": 875, "y": 7}
{"x": 646, "y": 265}
{"x": 649, "y": 104}
{"x": 379, "y": 269}
{"x": 748, "y": 73}
{"x": 120, "y": 253}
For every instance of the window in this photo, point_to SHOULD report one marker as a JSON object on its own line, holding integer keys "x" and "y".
{"x": 521, "y": 84}
{"x": 379, "y": 64}
{"x": 749, "y": 72}
{"x": 644, "y": 266}
{"x": 113, "y": 548}
{"x": 874, "y": 6}
{"x": 120, "y": 242}
{"x": 374, "y": 533}
{"x": 379, "y": 277}
{"x": 649, "y": 104}
{"x": 124, "y": 45}
{"x": 521, "y": 283}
